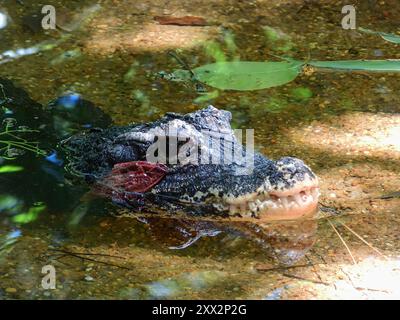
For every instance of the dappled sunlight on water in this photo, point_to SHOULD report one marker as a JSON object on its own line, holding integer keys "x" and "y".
{"x": 353, "y": 134}
{"x": 150, "y": 37}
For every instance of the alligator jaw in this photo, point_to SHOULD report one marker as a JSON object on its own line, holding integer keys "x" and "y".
{"x": 299, "y": 201}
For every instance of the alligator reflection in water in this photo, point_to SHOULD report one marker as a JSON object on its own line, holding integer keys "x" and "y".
{"x": 284, "y": 242}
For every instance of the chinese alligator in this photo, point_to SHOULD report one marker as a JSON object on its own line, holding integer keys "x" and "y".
{"x": 195, "y": 172}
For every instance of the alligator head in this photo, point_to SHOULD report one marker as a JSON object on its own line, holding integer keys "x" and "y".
{"x": 194, "y": 162}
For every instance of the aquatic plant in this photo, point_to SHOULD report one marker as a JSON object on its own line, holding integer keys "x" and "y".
{"x": 29, "y": 216}
{"x": 13, "y": 144}
{"x": 10, "y": 169}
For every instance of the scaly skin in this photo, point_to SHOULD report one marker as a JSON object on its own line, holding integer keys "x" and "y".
{"x": 269, "y": 190}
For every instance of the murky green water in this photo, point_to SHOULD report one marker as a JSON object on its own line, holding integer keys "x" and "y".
{"x": 345, "y": 125}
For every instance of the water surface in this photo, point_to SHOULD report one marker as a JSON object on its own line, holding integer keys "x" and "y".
{"x": 346, "y": 127}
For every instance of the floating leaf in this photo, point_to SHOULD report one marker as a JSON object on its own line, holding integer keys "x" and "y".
{"x": 10, "y": 168}
{"x": 29, "y": 216}
{"x": 366, "y": 65}
{"x": 386, "y": 36}
{"x": 247, "y": 75}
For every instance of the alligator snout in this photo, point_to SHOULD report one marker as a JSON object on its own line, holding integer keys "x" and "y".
{"x": 289, "y": 191}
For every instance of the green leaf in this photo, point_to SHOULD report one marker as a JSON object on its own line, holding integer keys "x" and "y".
{"x": 29, "y": 216}
{"x": 386, "y": 36}
{"x": 366, "y": 65}
{"x": 248, "y": 75}
{"x": 10, "y": 168}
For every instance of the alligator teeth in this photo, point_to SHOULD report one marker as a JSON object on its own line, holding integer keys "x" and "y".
{"x": 273, "y": 205}
{"x": 252, "y": 206}
{"x": 265, "y": 202}
{"x": 285, "y": 202}
{"x": 264, "y": 205}
{"x": 298, "y": 200}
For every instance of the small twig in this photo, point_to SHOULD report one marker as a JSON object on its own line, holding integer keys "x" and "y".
{"x": 363, "y": 288}
{"x": 313, "y": 267}
{"x": 392, "y": 195}
{"x": 79, "y": 256}
{"x": 363, "y": 240}
{"x": 304, "y": 279}
{"x": 319, "y": 256}
{"x": 181, "y": 62}
{"x": 285, "y": 268}
{"x": 341, "y": 239}
{"x": 58, "y": 259}
{"x": 351, "y": 281}
{"x": 198, "y": 84}
{"x": 87, "y": 253}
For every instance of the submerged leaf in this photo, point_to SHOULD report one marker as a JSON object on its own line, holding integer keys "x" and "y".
{"x": 8, "y": 202}
{"x": 214, "y": 50}
{"x": 10, "y": 168}
{"x": 29, "y": 216}
{"x": 276, "y": 105}
{"x": 386, "y": 36}
{"x": 281, "y": 41}
{"x": 301, "y": 93}
{"x": 247, "y": 75}
{"x": 272, "y": 34}
{"x": 366, "y": 65}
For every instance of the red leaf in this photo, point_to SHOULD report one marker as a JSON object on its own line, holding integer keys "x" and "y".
{"x": 181, "y": 21}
